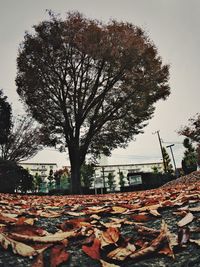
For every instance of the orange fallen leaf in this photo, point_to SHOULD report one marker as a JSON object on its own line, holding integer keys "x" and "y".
{"x": 58, "y": 255}
{"x": 94, "y": 250}
{"x": 39, "y": 261}
{"x": 141, "y": 218}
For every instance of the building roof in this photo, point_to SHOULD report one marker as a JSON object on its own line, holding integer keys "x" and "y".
{"x": 27, "y": 163}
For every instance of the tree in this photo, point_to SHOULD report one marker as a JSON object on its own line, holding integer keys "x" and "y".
{"x": 168, "y": 165}
{"x": 121, "y": 179}
{"x": 111, "y": 181}
{"x": 87, "y": 174}
{"x": 5, "y": 118}
{"x": 192, "y": 131}
{"x": 189, "y": 162}
{"x": 91, "y": 85}
{"x": 13, "y": 177}
{"x": 23, "y": 141}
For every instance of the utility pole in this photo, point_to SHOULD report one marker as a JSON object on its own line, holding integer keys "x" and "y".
{"x": 158, "y": 133}
{"x": 170, "y": 146}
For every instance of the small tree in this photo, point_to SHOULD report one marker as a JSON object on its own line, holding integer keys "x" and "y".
{"x": 87, "y": 174}
{"x": 111, "y": 181}
{"x": 121, "y": 179}
{"x": 167, "y": 160}
{"x": 37, "y": 181}
{"x": 192, "y": 131}
{"x": 189, "y": 162}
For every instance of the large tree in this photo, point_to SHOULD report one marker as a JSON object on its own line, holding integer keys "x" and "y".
{"x": 5, "y": 118}
{"x": 92, "y": 86}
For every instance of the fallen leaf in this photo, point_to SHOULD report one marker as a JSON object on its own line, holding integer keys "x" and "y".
{"x": 58, "y": 255}
{"x": 186, "y": 220}
{"x": 94, "y": 250}
{"x": 17, "y": 247}
{"x": 74, "y": 224}
{"x": 110, "y": 236}
{"x": 121, "y": 253}
{"x": 39, "y": 261}
{"x": 44, "y": 239}
{"x": 195, "y": 241}
{"x": 107, "y": 264}
{"x": 141, "y": 218}
{"x": 154, "y": 245}
{"x": 117, "y": 210}
{"x": 183, "y": 236}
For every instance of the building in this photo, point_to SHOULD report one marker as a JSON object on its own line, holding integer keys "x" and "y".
{"x": 128, "y": 170}
{"x": 42, "y": 169}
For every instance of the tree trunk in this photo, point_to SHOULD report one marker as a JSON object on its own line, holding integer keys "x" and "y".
{"x": 75, "y": 178}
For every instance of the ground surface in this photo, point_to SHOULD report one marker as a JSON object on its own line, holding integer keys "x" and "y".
{"x": 159, "y": 227}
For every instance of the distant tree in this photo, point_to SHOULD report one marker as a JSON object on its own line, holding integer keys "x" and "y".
{"x": 192, "y": 131}
{"x": 168, "y": 165}
{"x": 23, "y": 140}
{"x": 121, "y": 179}
{"x": 91, "y": 85}
{"x": 87, "y": 174}
{"x": 111, "y": 181}
{"x": 189, "y": 162}
{"x": 5, "y": 119}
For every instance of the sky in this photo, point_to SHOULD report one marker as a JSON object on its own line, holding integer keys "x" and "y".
{"x": 173, "y": 26}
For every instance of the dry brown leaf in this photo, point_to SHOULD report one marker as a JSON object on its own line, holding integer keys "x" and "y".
{"x": 117, "y": 210}
{"x": 155, "y": 213}
{"x": 195, "y": 241}
{"x": 107, "y": 264}
{"x": 121, "y": 253}
{"x": 17, "y": 247}
{"x": 186, "y": 220}
{"x": 110, "y": 236}
{"x": 44, "y": 239}
{"x": 154, "y": 245}
{"x": 195, "y": 209}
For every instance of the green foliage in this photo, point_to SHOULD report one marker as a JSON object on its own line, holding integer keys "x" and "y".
{"x": 121, "y": 179}
{"x": 5, "y": 119}
{"x": 111, "y": 181}
{"x": 168, "y": 165}
{"x": 87, "y": 174}
{"x": 37, "y": 181}
{"x": 189, "y": 162}
{"x": 91, "y": 85}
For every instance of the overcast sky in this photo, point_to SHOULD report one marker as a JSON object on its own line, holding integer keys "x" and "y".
{"x": 174, "y": 27}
